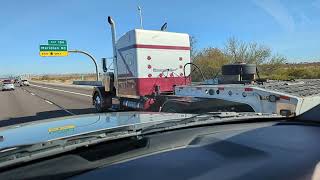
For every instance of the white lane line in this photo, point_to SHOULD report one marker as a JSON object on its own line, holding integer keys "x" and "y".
{"x": 62, "y": 108}
{"x": 48, "y": 102}
{"x": 32, "y": 94}
{"x": 62, "y": 90}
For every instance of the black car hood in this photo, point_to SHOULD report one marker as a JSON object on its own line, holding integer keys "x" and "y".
{"x": 278, "y": 151}
{"x": 52, "y": 129}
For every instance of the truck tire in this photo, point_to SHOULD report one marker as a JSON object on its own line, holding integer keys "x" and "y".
{"x": 102, "y": 100}
{"x": 98, "y": 103}
{"x": 236, "y": 69}
{"x": 249, "y": 69}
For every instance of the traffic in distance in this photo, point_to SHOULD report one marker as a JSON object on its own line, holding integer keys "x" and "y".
{"x": 9, "y": 84}
{"x": 158, "y": 101}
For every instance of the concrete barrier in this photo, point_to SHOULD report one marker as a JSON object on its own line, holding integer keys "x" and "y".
{"x": 64, "y": 85}
{"x": 88, "y": 83}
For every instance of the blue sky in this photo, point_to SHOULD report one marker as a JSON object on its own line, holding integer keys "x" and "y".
{"x": 290, "y": 27}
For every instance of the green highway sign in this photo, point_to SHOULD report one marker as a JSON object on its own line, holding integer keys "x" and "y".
{"x": 57, "y": 42}
{"x": 53, "y": 48}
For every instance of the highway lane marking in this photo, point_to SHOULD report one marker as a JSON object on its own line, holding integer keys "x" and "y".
{"x": 52, "y": 103}
{"x": 62, "y": 90}
{"x": 48, "y": 102}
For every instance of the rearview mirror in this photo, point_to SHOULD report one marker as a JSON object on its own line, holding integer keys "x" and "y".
{"x": 104, "y": 65}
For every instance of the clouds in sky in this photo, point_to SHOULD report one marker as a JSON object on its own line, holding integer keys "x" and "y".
{"x": 279, "y": 12}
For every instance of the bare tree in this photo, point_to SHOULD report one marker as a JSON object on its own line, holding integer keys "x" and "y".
{"x": 211, "y": 59}
{"x": 193, "y": 51}
{"x": 239, "y": 51}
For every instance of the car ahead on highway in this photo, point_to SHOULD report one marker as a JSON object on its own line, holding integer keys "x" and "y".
{"x": 142, "y": 145}
{"x": 24, "y": 82}
{"x": 7, "y": 85}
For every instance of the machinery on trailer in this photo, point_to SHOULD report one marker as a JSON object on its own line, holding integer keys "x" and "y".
{"x": 151, "y": 74}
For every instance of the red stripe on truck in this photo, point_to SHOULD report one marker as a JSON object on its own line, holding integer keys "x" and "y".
{"x": 147, "y": 46}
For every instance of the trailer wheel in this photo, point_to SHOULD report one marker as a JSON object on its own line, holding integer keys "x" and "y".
{"x": 98, "y": 103}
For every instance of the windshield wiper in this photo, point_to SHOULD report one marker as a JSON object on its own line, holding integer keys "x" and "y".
{"x": 23, "y": 153}
{"x": 211, "y": 118}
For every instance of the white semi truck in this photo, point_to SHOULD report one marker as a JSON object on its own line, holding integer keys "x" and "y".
{"x": 151, "y": 72}
{"x": 147, "y": 64}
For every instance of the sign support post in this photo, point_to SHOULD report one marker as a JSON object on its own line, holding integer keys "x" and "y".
{"x": 91, "y": 57}
{"x": 60, "y": 48}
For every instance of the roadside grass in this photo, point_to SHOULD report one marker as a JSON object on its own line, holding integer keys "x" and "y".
{"x": 284, "y": 72}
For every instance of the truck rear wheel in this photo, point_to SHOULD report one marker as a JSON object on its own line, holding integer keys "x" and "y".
{"x": 98, "y": 103}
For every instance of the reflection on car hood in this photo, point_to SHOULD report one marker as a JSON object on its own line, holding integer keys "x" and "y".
{"x": 70, "y": 126}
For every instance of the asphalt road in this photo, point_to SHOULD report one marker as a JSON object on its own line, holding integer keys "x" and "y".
{"x": 42, "y": 101}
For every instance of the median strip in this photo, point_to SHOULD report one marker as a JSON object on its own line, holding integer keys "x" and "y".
{"x": 61, "y": 90}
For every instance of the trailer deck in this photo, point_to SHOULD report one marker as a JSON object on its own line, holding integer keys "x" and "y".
{"x": 300, "y": 88}
{"x": 278, "y": 97}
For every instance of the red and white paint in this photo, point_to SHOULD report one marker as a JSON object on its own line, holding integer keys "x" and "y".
{"x": 145, "y": 56}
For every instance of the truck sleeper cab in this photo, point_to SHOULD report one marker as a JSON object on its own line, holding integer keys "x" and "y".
{"x": 146, "y": 63}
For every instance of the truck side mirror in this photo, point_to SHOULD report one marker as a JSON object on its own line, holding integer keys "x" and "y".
{"x": 104, "y": 65}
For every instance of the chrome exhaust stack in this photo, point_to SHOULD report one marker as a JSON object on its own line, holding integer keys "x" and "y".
{"x": 113, "y": 31}
{"x": 115, "y": 61}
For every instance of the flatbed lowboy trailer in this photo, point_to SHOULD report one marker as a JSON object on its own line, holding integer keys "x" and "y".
{"x": 289, "y": 98}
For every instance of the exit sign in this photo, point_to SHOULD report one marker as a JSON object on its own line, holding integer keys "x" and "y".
{"x": 54, "y": 48}
{"x": 57, "y": 42}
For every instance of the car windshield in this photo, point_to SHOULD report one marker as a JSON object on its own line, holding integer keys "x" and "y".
{"x": 7, "y": 82}
{"x": 68, "y": 58}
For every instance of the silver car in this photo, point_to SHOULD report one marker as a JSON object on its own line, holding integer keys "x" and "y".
{"x": 24, "y": 82}
{"x": 7, "y": 85}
